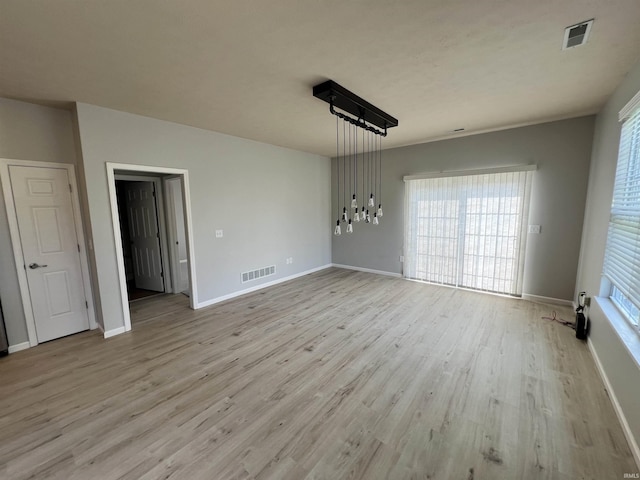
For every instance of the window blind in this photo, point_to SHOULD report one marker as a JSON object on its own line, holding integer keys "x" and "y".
{"x": 468, "y": 230}
{"x": 622, "y": 254}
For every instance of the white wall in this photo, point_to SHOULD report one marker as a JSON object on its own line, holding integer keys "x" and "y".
{"x": 271, "y": 202}
{"x": 27, "y": 132}
{"x": 619, "y": 366}
{"x": 562, "y": 152}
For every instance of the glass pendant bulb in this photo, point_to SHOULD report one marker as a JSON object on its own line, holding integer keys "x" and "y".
{"x": 363, "y": 215}
{"x": 356, "y": 217}
{"x": 371, "y": 202}
{"x": 379, "y": 210}
{"x": 354, "y": 202}
{"x": 375, "y": 219}
{"x": 350, "y": 227}
{"x": 344, "y": 214}
{"x": 367, "y": 218}
{"x": 337, "y": 230}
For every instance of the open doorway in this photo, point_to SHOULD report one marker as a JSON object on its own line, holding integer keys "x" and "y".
{"x": 142, "y": 232}
{"x": 151, "y": 215}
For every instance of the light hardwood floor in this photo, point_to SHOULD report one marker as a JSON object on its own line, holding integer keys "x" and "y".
{"x": 335, "y": 375}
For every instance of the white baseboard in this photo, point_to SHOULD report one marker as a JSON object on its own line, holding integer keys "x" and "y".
{"x": 113, "y": 332}
{"x": 18, "y": 346}
{"x": 633, "y": 444}
{"x": 229, "y": 296}
{"x": 551, "y": 300}
{"x": 367, "y": 270}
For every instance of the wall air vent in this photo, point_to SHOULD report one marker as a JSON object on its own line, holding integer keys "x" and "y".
{"x": 576, "y": 35}
{"x": 258, "y": 273}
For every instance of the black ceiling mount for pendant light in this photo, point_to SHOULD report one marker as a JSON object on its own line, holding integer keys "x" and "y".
{"x": 339, "y": 97}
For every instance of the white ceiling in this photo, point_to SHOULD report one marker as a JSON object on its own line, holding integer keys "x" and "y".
{"x": 246, "y": 68}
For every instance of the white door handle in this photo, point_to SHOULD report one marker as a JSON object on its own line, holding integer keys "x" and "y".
{"x": 33, "y": 266}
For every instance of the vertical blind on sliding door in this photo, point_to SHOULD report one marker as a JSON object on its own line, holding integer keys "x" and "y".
{"x": 467, "y": 229}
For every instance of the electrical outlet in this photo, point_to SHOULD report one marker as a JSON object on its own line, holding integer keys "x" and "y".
{"x": 402, "y": 258}
{"x": 535, "y": 229}
{"x": 290, "y": 259}
{"x": 587, "y": 301}
{"x": 218, "y": 233}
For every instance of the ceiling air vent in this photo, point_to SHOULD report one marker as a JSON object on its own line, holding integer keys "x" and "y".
{"x": 576, "y": 35}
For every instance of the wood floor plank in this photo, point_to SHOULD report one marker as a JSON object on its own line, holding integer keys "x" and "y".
{"x": 334, "y": 375}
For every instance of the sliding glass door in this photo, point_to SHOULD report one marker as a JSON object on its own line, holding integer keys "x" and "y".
{"x": 468, "y": 230}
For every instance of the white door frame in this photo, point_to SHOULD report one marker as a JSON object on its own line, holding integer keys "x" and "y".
{"x": 162, "y": 226}
{"x": 18, "y": 254}
{"x": 122, "y": 279}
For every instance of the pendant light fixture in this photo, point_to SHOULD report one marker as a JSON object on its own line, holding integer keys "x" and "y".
{"x": 359, "y": 168}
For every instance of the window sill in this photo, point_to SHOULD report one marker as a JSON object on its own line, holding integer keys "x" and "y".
{"x": 625, "y": 331}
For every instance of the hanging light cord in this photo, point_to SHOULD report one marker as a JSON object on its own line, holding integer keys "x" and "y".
{"x": 374, "y": 170}
{"x": 350, "y": 169}
{"x": 377, "y": 172}
{"x": 374, "y": 190}
{"x": 380, "y": 171}
{"x": 344, "y": 172}
{"x": 338, "y": 162}
{"x": 364, "y": 173}
{"x": 355, "y": 163}
{"x": 370, "y": 169}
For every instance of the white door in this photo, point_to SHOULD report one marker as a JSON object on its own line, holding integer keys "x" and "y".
{"x": 144, "y": 235}
{"x": 42, "y": 198}
{"x": 178, "y": 235}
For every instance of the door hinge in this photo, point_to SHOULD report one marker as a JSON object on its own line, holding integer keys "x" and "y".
{"x": 78, "y": 248}
{"x": 86, "y": 304}
{"x": 70, "y": 189}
